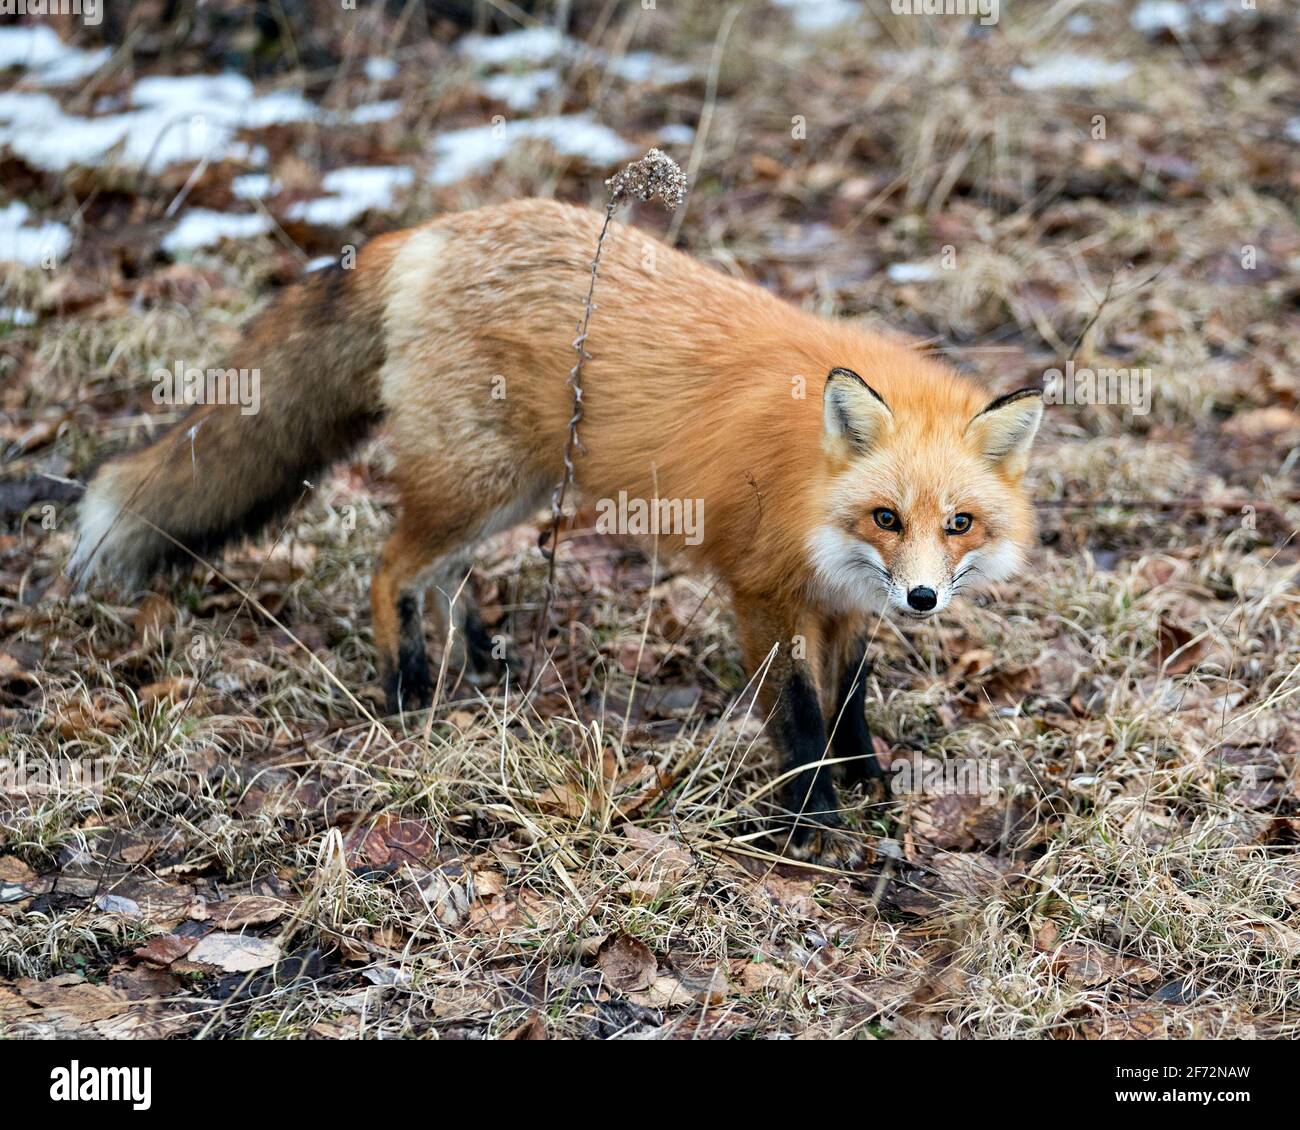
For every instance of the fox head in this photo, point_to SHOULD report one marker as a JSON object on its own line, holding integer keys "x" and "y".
{"x": 926, "y": 498}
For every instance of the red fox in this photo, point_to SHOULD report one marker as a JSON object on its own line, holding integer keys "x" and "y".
{"x": 893, "y": 485}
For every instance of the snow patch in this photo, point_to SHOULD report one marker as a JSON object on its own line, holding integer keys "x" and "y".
{"x": 201, "y": 227}
{"x": 676, "y": 133}
{"x": 352, "y": 192}
{"x": 191, "y": 92}
{"x": 38, "y": 49}
{"x": 531, "y": 47}
{"x": 521, "y": 91}
{"x": 380, "y": 70}
{"x": 254, "y": 186}
{"x": 32, "y": 245}
{"x": 821, "y": 15}
{"x": 647, "y": 67}
{"x": 375, "y": 112}
{"x": 900, "y": 273}
{"x": 16, "y": 316}
{"x": 29, "y": 46}
{"x": 1176, "y": 16}
{"x": 1161, "y": 15}
{"x": 183, "y": 118}
{"x": 464, "y": 152}
{"x": 1070, "y": 71}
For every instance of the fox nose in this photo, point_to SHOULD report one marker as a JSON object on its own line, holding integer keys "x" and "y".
{"x": 922, "y": 598}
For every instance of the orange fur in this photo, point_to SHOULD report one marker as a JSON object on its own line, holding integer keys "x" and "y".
{"x": 693, "y": 391}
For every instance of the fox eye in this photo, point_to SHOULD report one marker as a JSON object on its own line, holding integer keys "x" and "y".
{"x": 960, "y": 524}
{"x": 886, "y": 519}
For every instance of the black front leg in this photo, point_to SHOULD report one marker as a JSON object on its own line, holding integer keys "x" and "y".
{"x": 852, "y": 736}
{"x": 811, "y": 794}
{"x": 789, "y": 695}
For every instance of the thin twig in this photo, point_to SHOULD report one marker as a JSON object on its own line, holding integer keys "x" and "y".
{"x": 655, "y": 176}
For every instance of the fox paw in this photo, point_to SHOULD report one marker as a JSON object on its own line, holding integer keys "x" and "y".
{"x": 407, "y": 694}
{"x": 476, "y": 668}
{"x": 828, "y": 845}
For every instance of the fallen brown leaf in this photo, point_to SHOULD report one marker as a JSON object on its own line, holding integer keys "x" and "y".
{"x": 389, "y": 841}
{"x": 1088, "y": 964}
{"x": 628, "y": 964}
{"x": 234, "y": 953}
{"x": 246, "y": 910}
{"x": 164, "y": 949}
{"x": 176, "y": 689}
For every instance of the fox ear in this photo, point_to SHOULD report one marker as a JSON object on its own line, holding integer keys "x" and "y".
{"x": 853, "y": 413}
{"x": 1005, "y": 430}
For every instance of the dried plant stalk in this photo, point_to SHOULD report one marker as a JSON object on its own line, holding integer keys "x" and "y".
{"x": 655, "y": 177}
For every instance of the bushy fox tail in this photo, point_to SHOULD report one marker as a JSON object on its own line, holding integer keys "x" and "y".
{"x": 223, "y": 472}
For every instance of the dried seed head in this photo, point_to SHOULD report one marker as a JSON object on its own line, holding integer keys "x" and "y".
{"x": 656, "y": 176}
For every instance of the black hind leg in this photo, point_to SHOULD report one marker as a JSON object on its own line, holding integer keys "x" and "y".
{"x": 395, "y": 607}
{"x": 474, "y": 654}
{"x": 487, "y": 654}
{"x": 409, "y": 686}
{"x": 852, "y": 737}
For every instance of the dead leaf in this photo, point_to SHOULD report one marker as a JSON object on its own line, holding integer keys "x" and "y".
{"x": 388, "y": 841}
{"x": 679, "y": 990}
{"x": 758, "y": 976}
{"x": 443, "y": 892}
{"x": 534, "y": 1028}
{"x": 13, "y": 670}
{"x": 70, "y": 997}
{"x": 640, "y": 892}
{"x": 962, "y": 821}
{"x": 68, "y": 293}
{"x": 1262, "y": 422}
{"x": 664, "y": 991}
{"x": 972, "y": 663}
{"x": 795, "y": 896}
{"x": 164, "y": 949}
{"x": 1268, "y": 934}
{"x": 348, "y": 1028}
{"x": 234, "y": 953}
{"x": 708, "y": 984}
{"x": 1178, "y": 650}
{"x": 1045, "y": 936}
{"x": 246, "y": 910}
{"x": 153, "y": 618}
{"x": 970, "y": 873}
{"x": 82, "y": 718}
{"x": 1135, "y": 1022}
{"x": 176, "y": 689}
{"x": 503, "y": 912}
{"x": 564, "y": 799}
{"x": 14, "y": 1006}
{"x": 147, "y": 1024}
{"x": 1156, "y": 572}
{"x": 145, "y": 982}
{"x": 1087, "y": 963}
{"x": 488, "y": 883}
{"x": 654, "y": 858}
{"x": 118, "y": 904}
{"x": 635, "y": 787}
{"x": 41, "y": 433}
{"x": 14, "y": 870}
{"x": 628, "y": 964}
